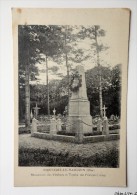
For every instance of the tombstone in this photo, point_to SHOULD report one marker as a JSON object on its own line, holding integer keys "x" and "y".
{"x": 36, "y": 111}
{"x": 112, "y": 117}
{"x": 34, "y": 126}
{"x": 79, "y": 106}
{"x": 53, "y": 126}
{"x": 59, "y": 124}
{"x": 104, "y": 111}
{"x": 105, "y": 122}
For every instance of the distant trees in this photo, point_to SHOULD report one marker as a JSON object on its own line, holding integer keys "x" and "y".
{"x": 28, "y": 57}
{"x": 111, "y": 87}
{"x": 94, "y": 33}
{"x": 50, "y": 45}
{"x": 61, "y": 44}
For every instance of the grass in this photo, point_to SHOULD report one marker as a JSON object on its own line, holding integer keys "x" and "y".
{"x": 44, "y": 157}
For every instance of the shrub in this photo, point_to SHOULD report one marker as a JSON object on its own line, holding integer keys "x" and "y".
{"x": 114, "y": 127}
{"x": 65, "y": 133}
{"x": 93, "y": 134}
{"x": 22, "y": 130}
{"x": 43, "y": 157}
{"x": 94, "y": 128}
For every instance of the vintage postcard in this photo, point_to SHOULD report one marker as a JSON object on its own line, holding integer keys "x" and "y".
{"x": 70, "y": 82}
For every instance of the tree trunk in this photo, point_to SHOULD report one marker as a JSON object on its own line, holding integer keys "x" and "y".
{"x": 99, "y": 76}
{"x": 67, "y": 65}
{"x": 48, "y": 104}
{"x": 68, "y": 83}
{"x": 27, "y": 98}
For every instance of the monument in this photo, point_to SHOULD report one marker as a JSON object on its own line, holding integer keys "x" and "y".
{"x": 79, "y": 105}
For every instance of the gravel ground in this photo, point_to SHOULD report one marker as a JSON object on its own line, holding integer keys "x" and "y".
{"x": 84, "y": 150}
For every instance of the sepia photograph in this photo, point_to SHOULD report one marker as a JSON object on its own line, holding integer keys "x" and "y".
{"x": 69, "y": 95}
{"x": 71, "y": 85}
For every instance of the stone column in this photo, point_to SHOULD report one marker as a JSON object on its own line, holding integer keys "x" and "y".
{"x": 34, "y": 126}
{"x": 59, "y": 124}
{"x": 79, "y": 106}
{"x": 53, "y": 126}
{"x": 105, "y": 126}
{"x": 99, "y": 125}
{"x": 79, "y": 133}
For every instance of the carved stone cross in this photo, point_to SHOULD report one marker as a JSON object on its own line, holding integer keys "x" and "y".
{"x": 104, "y": 111}
{"x": 36, "y": 109}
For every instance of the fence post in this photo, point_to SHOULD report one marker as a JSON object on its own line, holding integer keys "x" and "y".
{"x": 53, "y": 126}
{"x": 99, "y": 125}
{"x": 79, "y": 132}
{"x": 105, "y": 126}
{"x": 59, "y": 124}
{"x": 34, "y": 126}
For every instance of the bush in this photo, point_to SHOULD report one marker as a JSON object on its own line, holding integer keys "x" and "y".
{"x": 93, "y": 134}
{"x": 43, "y": 157}
{"x": 22, "y": 130}
{"x": 94, "y": 128}
{"x": 73, "y": 134}
{"x": 114, "y": 127}
{"x": 65, "y": 133}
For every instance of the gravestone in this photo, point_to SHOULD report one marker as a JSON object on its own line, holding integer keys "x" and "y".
{"x": 36, "y": 111}
{"x": 79, "y": 106}
{"x": 105, "y": 122}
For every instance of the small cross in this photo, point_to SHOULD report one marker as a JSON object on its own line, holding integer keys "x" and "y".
{"x": 54, "y": 111}
{"x": 36, "y": 109}
{"x": 104, "y": 111}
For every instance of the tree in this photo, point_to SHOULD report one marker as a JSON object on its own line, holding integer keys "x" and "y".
{"x": 93, "y": 33}
{"x": 50, "y": 43}
{"x": 28, "y": 56}
{"x": 70, "y": 52}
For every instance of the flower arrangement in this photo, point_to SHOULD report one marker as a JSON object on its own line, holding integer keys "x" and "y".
{"x": 76, "y": 82}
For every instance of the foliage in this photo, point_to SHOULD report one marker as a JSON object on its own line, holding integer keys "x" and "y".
{"x": 93, "y": 134}
{"x": 55, "y": 42}
{"x": 43, "y": 157}
{"x": 78, "y": 83}
{"x": 114, "y": 127}
{"x": 22, "y": 130}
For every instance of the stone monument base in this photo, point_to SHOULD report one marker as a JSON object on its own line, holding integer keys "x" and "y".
{"x": 73, "y": 124}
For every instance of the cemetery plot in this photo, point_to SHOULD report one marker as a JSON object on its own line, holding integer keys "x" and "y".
{"x": 76, "y": 102}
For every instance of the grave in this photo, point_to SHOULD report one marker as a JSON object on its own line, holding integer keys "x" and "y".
{"x": 79, "y": 105}
{"x": 36, "y": 111}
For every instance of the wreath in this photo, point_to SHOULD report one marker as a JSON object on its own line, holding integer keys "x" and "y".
{"x": 76, "y": 82}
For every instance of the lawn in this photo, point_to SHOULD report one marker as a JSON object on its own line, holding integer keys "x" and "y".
{"x": 39, "y": 152}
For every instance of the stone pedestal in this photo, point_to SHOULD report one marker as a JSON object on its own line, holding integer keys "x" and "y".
{"x": 53, "y": 126}
{"x": 105, "y": 127}
{"x": 59, "y": 123}
{"x": 34, "y": 126}
{"x": 99, "y": 125}
{"x": 79, "y": 131}
{"x": 79, "y": 107}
